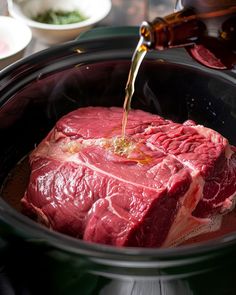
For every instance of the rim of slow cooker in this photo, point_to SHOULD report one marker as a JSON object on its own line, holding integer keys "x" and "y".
{"x": 45, "y": 236}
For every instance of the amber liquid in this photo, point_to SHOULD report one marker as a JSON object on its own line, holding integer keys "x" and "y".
{"x": 137, "y": 59}
{"x": 207, "y": 29}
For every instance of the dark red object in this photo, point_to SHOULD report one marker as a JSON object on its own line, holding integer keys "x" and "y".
{"x": 169, "y": 181}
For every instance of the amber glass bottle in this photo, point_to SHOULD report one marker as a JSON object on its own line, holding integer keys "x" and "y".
{"x": 206, "y": 28}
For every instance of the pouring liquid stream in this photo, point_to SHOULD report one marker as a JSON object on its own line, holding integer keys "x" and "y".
{"x": 137, "y": 59}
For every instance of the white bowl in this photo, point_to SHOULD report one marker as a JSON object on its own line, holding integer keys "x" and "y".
{"x": 14, "y": 38}
{"x": 25, "y": 10}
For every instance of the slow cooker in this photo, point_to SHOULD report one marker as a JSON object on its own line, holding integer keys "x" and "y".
{"x": 92, "y": 71}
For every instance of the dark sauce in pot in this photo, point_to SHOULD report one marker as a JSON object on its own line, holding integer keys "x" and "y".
{"x": 15, "y": 185}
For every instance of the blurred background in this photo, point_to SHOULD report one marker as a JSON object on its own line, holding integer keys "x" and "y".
{"x": 122, "y": 13}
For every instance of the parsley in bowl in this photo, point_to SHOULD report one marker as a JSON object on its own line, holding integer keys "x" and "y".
{"x": 57, "y": 21}
{"x": 59, "y": 17}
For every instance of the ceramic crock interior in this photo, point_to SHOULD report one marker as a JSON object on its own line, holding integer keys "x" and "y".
{"x": 37, "y": 91}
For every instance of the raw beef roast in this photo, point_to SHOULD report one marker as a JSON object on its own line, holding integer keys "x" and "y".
{"x": 163, "y": 183}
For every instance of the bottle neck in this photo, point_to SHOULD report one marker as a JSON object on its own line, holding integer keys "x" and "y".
{"x": 179, "y": 29}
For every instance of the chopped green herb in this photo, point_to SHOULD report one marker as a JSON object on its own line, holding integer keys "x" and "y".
{"x": 59, "y": 17}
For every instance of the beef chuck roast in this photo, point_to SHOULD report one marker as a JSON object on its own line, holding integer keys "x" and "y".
{"x": 164, "y": 182}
